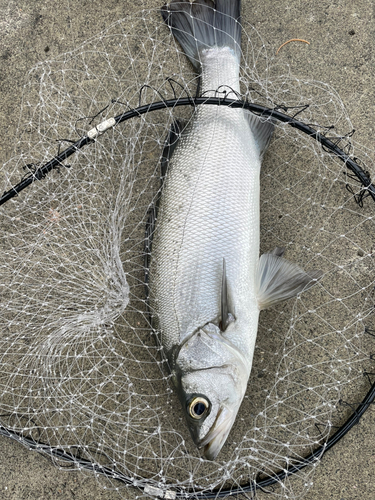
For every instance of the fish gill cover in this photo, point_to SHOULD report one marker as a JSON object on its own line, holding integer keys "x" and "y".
{"x": 81, "y": 373}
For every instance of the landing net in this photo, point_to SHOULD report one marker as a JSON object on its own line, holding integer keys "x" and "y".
{"x": 82, "y": 378}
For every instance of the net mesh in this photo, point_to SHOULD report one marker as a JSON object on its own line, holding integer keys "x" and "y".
{"x": 81, "y": 371}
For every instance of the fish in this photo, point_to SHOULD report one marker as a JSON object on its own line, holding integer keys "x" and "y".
{"x": 207, "y": 283}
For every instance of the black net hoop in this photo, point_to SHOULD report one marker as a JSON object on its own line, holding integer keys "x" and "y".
{"x": 330, "y": 145}
{"x": 262, "y": 111}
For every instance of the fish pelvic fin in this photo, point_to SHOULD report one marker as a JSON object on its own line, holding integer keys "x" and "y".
{"x": 203, "y": 24}
{"x": 277, "y": 279}
{"x": 262, "y": 130}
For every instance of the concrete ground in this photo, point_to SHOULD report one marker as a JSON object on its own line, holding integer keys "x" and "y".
{"x": 341, "y": 53}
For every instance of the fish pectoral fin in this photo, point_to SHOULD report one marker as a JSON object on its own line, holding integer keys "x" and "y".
{"x": 224, "y": 313}
{"x": 277, "y": 279}
{"x": 262, "y": 129}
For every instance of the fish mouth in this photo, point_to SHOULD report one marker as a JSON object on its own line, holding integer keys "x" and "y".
{"x": 217, "y": 435}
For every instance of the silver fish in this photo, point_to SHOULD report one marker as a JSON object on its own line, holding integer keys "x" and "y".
{"x": 207, "y": 283}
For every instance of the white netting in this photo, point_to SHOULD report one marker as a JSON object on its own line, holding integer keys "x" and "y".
{"x": 80, "y": 370}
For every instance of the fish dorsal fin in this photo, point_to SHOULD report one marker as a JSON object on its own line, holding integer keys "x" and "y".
{"x": 170, "y": 144}
{"x": 278, "y": 251}
{"x": 224, "y": 312}
{"x": 277, "y": 279}
{"x": 262, "y": 130}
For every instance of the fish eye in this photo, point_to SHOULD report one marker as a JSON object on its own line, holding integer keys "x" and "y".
{"x": 198, "y": 407}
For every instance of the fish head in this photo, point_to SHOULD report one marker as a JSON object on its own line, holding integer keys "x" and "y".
{"x": 211, "y": 384}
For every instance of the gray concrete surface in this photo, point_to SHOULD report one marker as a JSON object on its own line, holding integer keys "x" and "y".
{"x": 341, "y": 36}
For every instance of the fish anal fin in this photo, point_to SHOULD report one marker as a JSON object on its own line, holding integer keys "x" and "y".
{"x": 278, "y": 279}
{"x": 262, "y": 129}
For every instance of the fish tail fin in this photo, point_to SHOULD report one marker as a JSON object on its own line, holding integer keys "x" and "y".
{"x": 204, "y": 24}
